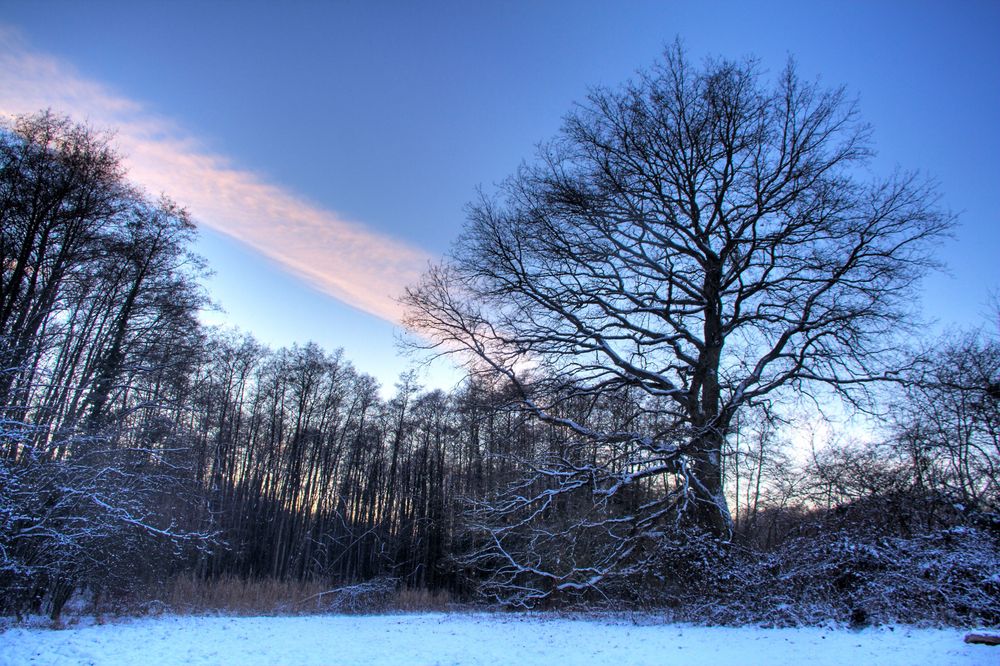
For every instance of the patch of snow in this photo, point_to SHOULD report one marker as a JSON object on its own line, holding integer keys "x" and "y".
{"x": 475, "y": 640}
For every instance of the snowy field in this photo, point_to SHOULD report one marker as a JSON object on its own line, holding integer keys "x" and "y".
{"x": 470, "y": 639}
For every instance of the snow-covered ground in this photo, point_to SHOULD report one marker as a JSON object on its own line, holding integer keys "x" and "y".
{"x": 468, "y": 639}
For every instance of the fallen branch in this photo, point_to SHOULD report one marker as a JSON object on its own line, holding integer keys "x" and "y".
{"x": 982, "y": 639}
{"x": 353, "y": 594}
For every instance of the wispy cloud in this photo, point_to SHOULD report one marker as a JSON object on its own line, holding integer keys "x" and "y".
{"x": 344, "y": 259}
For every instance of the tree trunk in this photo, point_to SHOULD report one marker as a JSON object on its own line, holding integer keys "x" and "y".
{"x": 711, "y": 510}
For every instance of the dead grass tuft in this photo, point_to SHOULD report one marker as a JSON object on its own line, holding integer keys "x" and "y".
{"x": 421, "y": 600}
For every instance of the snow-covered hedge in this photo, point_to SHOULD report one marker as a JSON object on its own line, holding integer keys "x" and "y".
{"x": 946, "y": 576}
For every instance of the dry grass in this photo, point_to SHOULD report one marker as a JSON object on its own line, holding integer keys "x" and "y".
{"x": 231, "y": 595}
{"x": 421, "y": 600}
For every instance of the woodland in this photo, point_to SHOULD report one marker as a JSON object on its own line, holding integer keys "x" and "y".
{"x": 695, "y": 382}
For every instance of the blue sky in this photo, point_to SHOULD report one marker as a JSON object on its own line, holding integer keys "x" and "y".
{"x": 328, "y": 148}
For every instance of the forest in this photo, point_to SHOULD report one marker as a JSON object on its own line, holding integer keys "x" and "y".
{"x": 694, "y": 381}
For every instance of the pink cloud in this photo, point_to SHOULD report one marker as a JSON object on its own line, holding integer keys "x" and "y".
{"x": 344, "y": 259}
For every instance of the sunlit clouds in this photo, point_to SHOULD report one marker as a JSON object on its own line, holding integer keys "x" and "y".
{"x": 341, "y": 258}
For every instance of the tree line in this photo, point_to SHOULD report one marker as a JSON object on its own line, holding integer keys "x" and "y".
{"x": 640, "y": 311}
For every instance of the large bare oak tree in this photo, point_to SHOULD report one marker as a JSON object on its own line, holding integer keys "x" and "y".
{"x": 704, "y": 236}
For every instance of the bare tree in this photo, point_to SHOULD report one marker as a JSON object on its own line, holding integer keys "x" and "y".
{"x": 948, "y": 422}
{"x": 701, "y": 236}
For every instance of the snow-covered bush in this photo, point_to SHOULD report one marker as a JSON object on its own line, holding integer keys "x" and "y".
{"x": 98, "y": 520}
{"x": 949, "y": 576}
